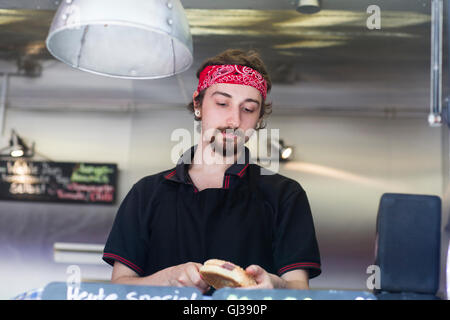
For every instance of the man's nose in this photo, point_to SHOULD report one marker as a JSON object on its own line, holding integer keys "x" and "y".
{"x": 234, "y": 118}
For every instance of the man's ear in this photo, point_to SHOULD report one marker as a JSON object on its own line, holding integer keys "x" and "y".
{"x": 195, "y": 95}
{"x": 259, "y": 123}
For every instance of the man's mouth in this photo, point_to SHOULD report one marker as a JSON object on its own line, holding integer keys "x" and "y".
{"x": 228, "y": 134}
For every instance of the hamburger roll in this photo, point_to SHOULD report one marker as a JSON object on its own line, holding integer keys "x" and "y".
{"x": 219, "y": 274}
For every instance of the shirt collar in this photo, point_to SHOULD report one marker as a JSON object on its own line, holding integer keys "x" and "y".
{"x": 180, "y": 173}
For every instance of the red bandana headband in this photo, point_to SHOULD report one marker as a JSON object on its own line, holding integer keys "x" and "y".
{"x": 235, "y": 74}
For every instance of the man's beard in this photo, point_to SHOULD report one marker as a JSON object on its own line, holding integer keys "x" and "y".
{"x": 225, "y": 147}
{"x": 228, "y": 147}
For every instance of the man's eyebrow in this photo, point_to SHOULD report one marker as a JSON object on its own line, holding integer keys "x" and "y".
{"x": 230, "y": 96}
{"x": 222, "y": 93}
{"x": 252, "y": 100}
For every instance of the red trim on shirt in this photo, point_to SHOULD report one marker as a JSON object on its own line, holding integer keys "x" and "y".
{"x": 241, "y": 173}
{"x": 124, "y": 261}
{"x": 171, "y": 174}
{"x": 299, "y": 265}
{"x": 227, "y": 182}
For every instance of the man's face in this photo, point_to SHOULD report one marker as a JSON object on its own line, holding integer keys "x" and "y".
{"x": 229, "y": 112}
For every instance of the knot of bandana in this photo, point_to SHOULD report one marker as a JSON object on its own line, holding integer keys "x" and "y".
{"x": 231, "y": 73}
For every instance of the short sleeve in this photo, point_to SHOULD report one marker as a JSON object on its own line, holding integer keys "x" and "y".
{"x": 295, "y": 243}
{"x": 126, "y": 243}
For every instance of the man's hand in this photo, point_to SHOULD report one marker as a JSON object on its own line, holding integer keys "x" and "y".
{"x": 187, "y": 275}
{"x": 183, "y": 275}
{"x": 262, "y": 277}
{"x": 295, "y": 279}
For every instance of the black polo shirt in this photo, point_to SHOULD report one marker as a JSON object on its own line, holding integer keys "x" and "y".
{"x": 253, "y": 219}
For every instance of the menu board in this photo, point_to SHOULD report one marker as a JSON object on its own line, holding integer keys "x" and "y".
{"x": 109, "y": 291}
{"x": 74, "y": 182}
{"x": 291, "y": 294}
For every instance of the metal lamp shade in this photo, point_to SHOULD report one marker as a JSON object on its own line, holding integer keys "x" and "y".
{"x": 135, "y": 39}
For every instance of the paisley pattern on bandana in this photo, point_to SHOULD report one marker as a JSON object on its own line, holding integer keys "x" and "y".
{"x": 235, "y": 74}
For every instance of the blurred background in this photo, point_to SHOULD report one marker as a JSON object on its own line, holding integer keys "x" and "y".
{"x": 353, "y": 102}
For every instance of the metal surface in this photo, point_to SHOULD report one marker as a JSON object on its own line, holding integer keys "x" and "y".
{"x": 328, "y": 61}
{"x": 437, "y": 22}
{"x": 3, "y": 93}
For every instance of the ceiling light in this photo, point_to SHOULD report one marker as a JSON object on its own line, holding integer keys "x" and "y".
{"x": 308, "y": 6}
{"x": 17, "y": 147}
{"x": 133, "y": 39}
{"x": 17, "y": 152}
{"x": 285, "y": 153}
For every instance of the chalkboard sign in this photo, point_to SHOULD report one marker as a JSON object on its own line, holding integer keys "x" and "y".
{"x": 108, "y": 291}
{"x": 288, "y": 294}
{"x": 26, "y": 180}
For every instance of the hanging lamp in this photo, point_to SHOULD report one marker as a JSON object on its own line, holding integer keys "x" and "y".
{"x": 133, "y": 39}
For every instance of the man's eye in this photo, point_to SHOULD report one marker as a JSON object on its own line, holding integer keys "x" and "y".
{"x": 221, "y": 104}
{"x": 248, "y": 110}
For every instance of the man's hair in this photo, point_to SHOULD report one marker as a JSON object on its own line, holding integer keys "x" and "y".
{"x": 249, "y": 58}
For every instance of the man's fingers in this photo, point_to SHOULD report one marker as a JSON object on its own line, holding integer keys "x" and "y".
{"x": 184, "y": 280}
{"x": 254, "y": 270}
{"x": 195, "y": 277}
{"x": 260, "y": 275}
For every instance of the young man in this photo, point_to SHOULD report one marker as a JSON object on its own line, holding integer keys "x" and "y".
{"x": 215, "y": 203}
